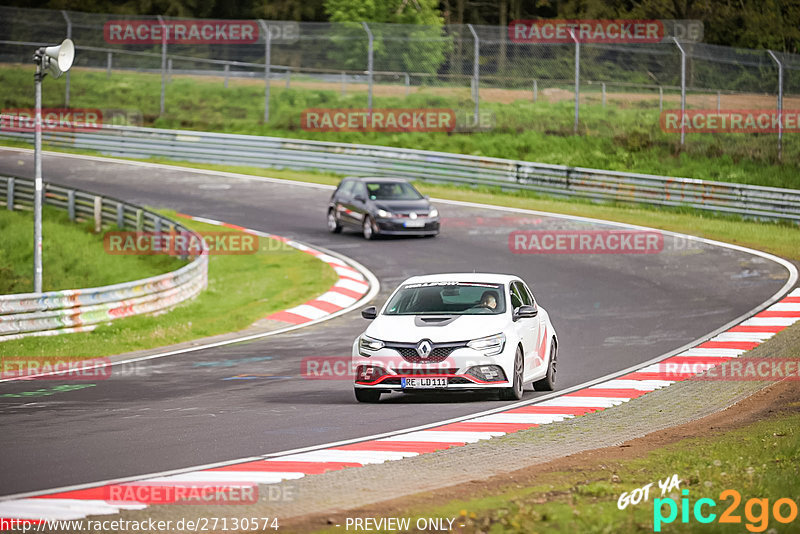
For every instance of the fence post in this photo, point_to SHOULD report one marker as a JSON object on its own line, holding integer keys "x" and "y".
{"x": 71, "y": 205}
{"x": 10, "y": 194}
{"x": 535, "y": 91}
{"x": 370, "y": 53}
{"x": 577, "y": 80}
{"x": 98, "y": 214}
{"x": 227, "y": 71}
{"x": 163, "y": 63}
{"x": 780, "y": 103}
{"x": 660, "y": 99}
{"x": 408, "y": 82}
{"x": 476, "y": 81}
{"x": 288, "y": 78}
{"x": 719, "y": 100}
{"x": 604, "y": 94}
{"x": 69, "y": 36}
{"x": 169, "y": 70}
{"x": 108, "y": 65}
{"x": 139, "y": 220}
{"x": 344, "y": 83}
{"x": 683, "y": 90}
{"x": 267, "y": 66}
{"x": 120, "y": 216}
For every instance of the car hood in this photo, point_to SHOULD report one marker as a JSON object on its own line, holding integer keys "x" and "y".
{"x": 403, "y": 206}
{"x": 412, "y": 328}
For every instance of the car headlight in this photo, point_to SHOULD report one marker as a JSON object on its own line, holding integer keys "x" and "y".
{"x": 490, "y": 346}
{"x": 433, "y": 213}
{"x": 384, "y": 214}
{"x": 367, "y": 344}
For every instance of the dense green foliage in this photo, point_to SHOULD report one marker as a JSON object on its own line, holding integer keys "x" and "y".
{"x": 744, "y": 23}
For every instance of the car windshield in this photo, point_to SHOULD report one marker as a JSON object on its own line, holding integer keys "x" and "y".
{"x": 392, "y": 191}
{"x": 451, "y": 298}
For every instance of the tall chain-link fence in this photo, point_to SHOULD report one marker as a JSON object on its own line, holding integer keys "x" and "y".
{"x": 471, "y": 65}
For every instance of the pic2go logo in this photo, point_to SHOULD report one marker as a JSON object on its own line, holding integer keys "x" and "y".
{"x": 758, "y": 521}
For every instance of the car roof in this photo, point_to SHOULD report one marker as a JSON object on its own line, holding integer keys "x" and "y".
{"x": 463, "y": 277}
{"x": 386, "y": 179}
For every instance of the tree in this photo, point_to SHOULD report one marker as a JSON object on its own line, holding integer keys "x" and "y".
{"x": 419, "y": 45}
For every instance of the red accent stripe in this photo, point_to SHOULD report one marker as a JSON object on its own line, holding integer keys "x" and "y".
{"x": 774, "y": 313}
{"x": 750, "y": 328}
{"x": 329, "y": 307}
{"x": 570, "y": 410}
{"x": 716, "y": 360}
{"x": 345, "y": 277}
{"x": 234, "y": 226}
{"x": 399, "y": 446}
{"x": 791, "y": 299}
{"x": 743, "y": 345}
{"x": 611, "y": 393}
{"x": 184, "y": 216}
{"x": 289, "y": 317}
{"x": 345, "y": 291}
{"x": 485, "y": 427}
{"x": 674, "y": 377}
{"x": 278, "y": 466}
{"x": 99, "y": 493}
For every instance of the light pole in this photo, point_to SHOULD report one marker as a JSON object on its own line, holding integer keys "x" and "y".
{"x": 57, "y": 60}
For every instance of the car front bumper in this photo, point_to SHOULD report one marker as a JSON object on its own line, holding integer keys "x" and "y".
{"x": 398, "y": 226}
{"x": 464, "y": 369}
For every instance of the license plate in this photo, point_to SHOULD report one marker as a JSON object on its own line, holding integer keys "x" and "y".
{"x": 424, "y": 383}
{"x": 414, "y": 224}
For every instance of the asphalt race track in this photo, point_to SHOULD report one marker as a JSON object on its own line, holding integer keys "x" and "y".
{"x": 611, "y": 311}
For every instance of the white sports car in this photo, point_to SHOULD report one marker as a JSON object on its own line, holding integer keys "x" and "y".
{"x": 462, "y": 331}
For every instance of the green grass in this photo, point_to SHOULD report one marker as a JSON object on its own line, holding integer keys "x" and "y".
{"x": 759, "y": 461}
{"x": 73, "y": 257}
{"x": 241, "y": 289}
{"x": 625, "y": 138}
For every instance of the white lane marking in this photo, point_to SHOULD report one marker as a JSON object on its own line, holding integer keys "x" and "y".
{"x": 524, "y": 418}
{"x": 309, "y": 311}
{"x": 327, "y": 258}
{"x": 213, "y": 477}
{"x": 350, "y": 273}
{"x": 771, "y": 321}
{"x": 785, "y": 306}
{"x": 61, "y": 508}
{"x": 360, "y": 457}
{"x": 642, "y": 385}
{"x": 757, "y": 337}
{"x": 358, "y": 287}
{"x": 584, "y": 402}
{"x": 445, "y": 436}
{"x": 722, "y": 353}
{"x": 336, "y": 298}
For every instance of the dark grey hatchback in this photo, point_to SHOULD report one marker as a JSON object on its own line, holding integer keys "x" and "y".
{"x": 381, "y": 206}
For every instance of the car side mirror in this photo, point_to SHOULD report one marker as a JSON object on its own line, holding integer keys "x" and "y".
{"x": 369, "y": 313}
{"x": 525, "y": 312}
{"x": 359, "y": 198}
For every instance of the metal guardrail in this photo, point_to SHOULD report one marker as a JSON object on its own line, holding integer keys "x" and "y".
{"x": 74, "y": 310}
{"x": 353, "y": 159}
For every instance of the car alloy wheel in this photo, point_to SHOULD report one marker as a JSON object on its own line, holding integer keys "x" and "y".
{"x": 368, "y": 228}
{"x": 548, "y": 383}
{"x": 333, "y": 225}
{"x": 515, "y": 391}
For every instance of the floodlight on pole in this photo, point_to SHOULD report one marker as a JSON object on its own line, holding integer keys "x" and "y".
{"x": 57, "y": 60}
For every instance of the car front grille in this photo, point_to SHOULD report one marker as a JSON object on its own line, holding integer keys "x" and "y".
{"x": 439, "y": 351}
